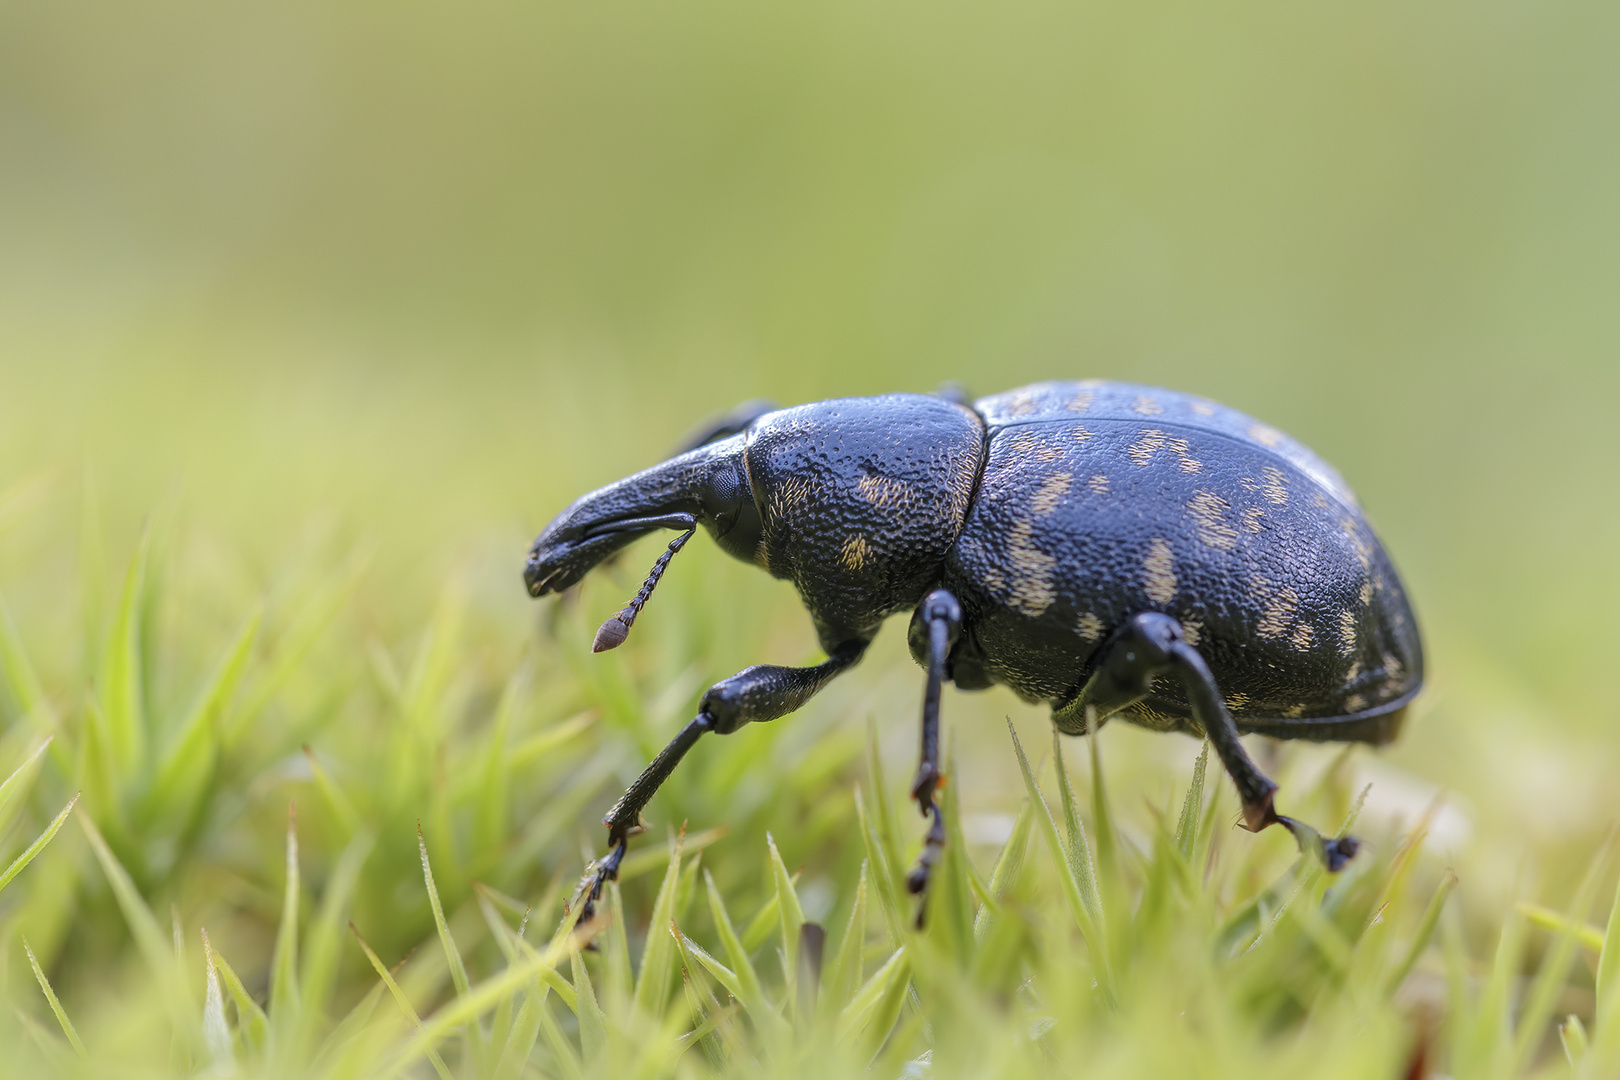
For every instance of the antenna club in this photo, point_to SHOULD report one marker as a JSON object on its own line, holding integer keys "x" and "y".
{"x": 611, "y": 634}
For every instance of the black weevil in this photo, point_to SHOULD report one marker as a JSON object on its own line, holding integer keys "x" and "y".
{"x": 1111, "y": 549}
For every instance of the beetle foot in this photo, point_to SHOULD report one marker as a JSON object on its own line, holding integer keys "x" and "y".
{"x": 597, "y": 875}
{"x": 933, "y": 846}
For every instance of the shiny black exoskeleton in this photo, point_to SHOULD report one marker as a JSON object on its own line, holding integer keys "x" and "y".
{"x": 1110, "y": 549}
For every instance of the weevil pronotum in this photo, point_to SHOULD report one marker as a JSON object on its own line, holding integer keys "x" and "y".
{"x": 1110, "y": 549}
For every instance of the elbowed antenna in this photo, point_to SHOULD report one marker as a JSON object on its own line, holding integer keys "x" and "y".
{"x": 611, "y": 634}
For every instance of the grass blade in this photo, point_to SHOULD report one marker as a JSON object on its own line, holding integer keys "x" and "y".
{"x": 321, "y": 946}
{"x": 889, "y": 891}
{"x": 1425, "y": 932}
{"x": 1572, "y": 1036}
{"x": 185, "y": 765}
{"x": 1009, "y": 866}
{"x": 216, "y": 1035}
{"x": 1608, "y": 969}
{"x": 871, "y": 1013}
{"x": 21, "y": 862}
{"x": 284, "y": 959}
{"x": 750, "y": 993}
{"x": 403, "y": 1002}
{"x": 788, "y": 909}
{"x": 1587, "y": 936}
{"x": 123, "y": 702}
{"x": 18, "y": 784}
{"x": 56, "y": 1006}
{"x": 481, "y": 999}
{"x": 1086, "y": 908}
{"x": 691, "y": 951}
{"x": 621, "y": 979}
{"x": 1079, "y": 851}
{"x": 1192, "y": 806}
{"x": 452, "y": 954}
{"x": 658, "y": 969}
{"x": 249, "y": 1017}
{"x": 592, "y": 1023}
{"x": 153, "y": 944}
{"x": 1538, "y": 1005}
{"x": 844, "y": 974}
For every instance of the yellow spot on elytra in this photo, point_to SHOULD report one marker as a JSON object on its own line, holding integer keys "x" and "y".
{"x": 1031, "y": 591}
{"x": 1158, "y": 572}
{"x": 1265, "y": 436}
{"x": 1203, "y": 408}
{"x": 1080, "y": 434}
{"x": 855, "y": 552}
{"x": 1142, "y": 450}
{"x": 1279, "y": 612}
{"x": 1355, "y": 703}
{"x": 1208, "y": 512}
{"x": 1358, "y": 543}
{"x": 1347, "y": 632}
{"x": 1022, "y": 404}
{"x": 1302, "y": 637}
{"x": 1254, "y": 519}
{"x": 1293, "y": 712}
{"x": 1090, "y": 627}
{"x": 1234, "y": 702}
{"x": 1098, "y": 484}
{"x": 1365, "y": 595}
{"x": 1192, "y": 630}
{"x": 1080, "y": 402}
{"x": 1153, "y": 440}
{"x": 1146, "y": 406}
{"x": 1021, "y": 446}
{"x": 1182, "y": 450}
{"x": 1052, "y": 490}
{"x": 1320, "y": 501}
{"x": 1046, "y": 452}
{"x": 1355, "y": 671}
{"x": 1275, "y": 488}
{"x": 1092, "y": 384}
{"x": 884, "y": 492}
{"x": 1394, "y": 668}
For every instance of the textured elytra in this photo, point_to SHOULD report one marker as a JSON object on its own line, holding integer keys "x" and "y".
{"x": 1196, "y": 511}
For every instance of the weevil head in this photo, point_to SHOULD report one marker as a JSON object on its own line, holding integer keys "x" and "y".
{"x": 706, "y": 487}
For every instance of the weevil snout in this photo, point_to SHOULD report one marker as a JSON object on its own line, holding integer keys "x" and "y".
{"x": 535, "y": 574}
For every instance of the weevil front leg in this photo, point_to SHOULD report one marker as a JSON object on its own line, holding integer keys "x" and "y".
{"x": 1152, "y": 644}
{"x": 941, "y": 618}
{"x": 755, "y": 694}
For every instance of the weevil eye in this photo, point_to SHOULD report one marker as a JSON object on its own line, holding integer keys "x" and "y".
{"x": 728, "y": 502}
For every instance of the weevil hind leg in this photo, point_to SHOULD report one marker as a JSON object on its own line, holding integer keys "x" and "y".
{"x": 941, "y": 617}
{"x": 1150, "y": 645}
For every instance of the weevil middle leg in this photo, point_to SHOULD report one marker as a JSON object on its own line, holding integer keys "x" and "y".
{"x": 941, "y": 615}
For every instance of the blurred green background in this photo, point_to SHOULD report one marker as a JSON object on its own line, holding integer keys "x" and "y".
{"x": 295, "y": 279}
